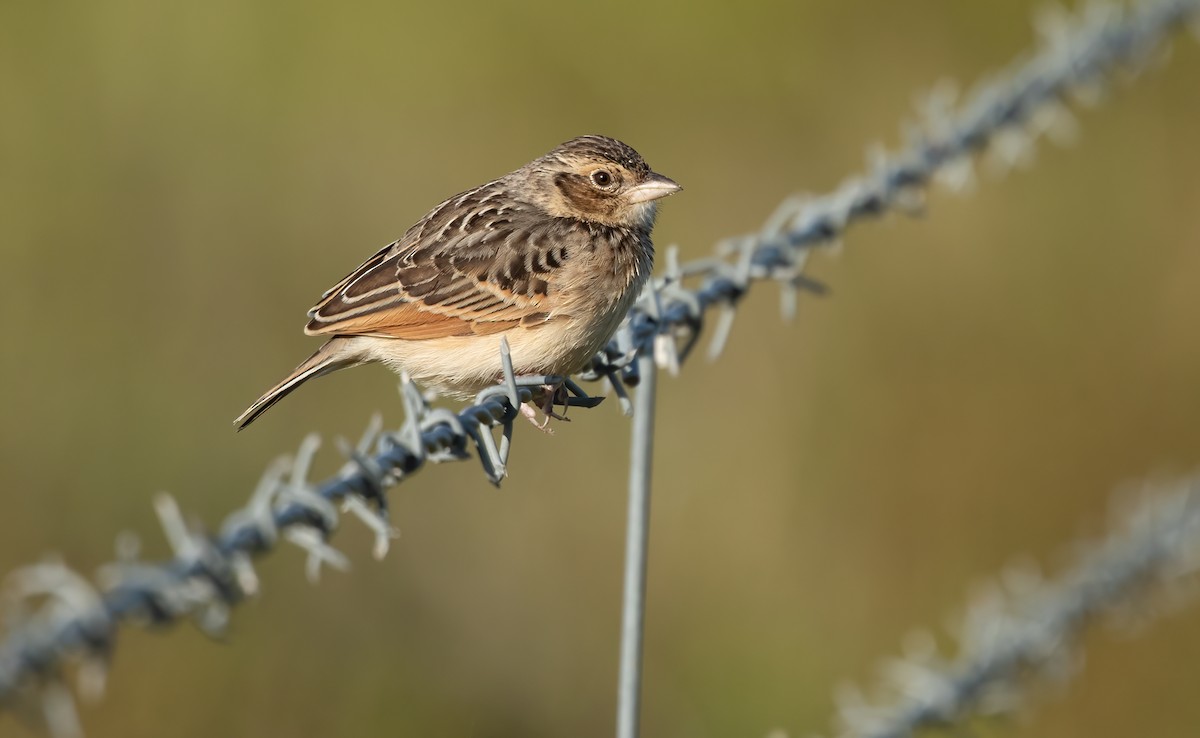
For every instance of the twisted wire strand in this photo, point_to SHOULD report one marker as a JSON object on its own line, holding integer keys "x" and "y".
{"x": 76, "y": 622}
{"x": 1004, "y": 115}
{"x": 1024, "y": 627}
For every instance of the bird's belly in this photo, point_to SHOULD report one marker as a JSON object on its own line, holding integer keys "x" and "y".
{"x": 461, "y": 366}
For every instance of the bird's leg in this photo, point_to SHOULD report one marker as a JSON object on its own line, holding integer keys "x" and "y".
{"x": 546, "y": 397}
{"x": 556, "y": 394}
{"x": 531, "y": 414}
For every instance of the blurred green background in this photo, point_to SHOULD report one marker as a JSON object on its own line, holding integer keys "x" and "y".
{"x": 180, "y": 181}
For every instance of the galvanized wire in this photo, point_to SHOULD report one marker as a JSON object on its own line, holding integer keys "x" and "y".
{"x": 75, "y": 621}
{"x": 1023, "y": 628}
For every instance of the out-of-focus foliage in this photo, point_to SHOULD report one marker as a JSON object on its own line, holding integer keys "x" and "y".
{"x": 179, "y": 182}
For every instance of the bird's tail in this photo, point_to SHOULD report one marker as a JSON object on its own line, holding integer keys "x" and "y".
{"x": 337, "y": 353}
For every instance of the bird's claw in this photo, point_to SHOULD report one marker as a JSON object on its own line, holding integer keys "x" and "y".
{"x": 552, "y": 395}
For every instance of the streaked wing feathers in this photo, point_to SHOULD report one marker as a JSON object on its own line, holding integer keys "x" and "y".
{"x": 477, "y": 264}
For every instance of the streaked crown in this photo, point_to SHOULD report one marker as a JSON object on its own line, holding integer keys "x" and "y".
{"x": 600, "y": 148}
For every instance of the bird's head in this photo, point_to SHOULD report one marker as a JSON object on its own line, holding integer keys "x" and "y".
{"x": 598, "y": 179}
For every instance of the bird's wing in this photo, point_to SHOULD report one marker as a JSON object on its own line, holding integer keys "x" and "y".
{"x": 479, "y": 263}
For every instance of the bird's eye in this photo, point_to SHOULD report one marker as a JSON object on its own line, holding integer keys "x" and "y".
{"x": 601, "y": 178}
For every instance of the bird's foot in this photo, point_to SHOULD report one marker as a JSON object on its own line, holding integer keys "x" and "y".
{"x": 547, "y": 397}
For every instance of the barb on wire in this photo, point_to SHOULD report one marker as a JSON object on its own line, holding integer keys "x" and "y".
{"x": 75, "y": 624}
{"x": 209, "y": 574}
{"x": 1023, "y": 627}
{"x": 1003, "y": 116}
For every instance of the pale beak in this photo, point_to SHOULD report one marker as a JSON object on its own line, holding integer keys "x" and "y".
{"x": 654, "y": 187}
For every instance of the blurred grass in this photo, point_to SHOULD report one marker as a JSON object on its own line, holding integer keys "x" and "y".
{"x": 178, "y": 183}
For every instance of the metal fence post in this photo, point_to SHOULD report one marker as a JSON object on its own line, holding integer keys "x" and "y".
{"x": 633, "y": 611}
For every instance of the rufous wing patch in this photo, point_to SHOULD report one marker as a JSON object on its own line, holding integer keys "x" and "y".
{"x": 445, "y": 279}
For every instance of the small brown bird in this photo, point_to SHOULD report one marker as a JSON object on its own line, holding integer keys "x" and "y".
{"x": 550, "y": 256}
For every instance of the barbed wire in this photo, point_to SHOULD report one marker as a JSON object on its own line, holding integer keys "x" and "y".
{"x": 74, "y": 622}
{"x": 1023, "y": 627}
